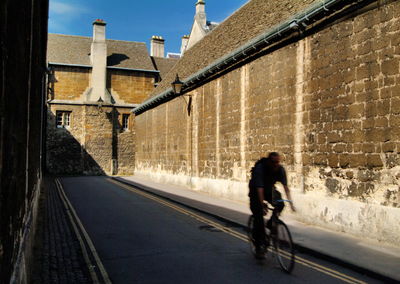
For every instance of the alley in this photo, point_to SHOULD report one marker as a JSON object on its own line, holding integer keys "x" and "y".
{"x": 141, "y": 239}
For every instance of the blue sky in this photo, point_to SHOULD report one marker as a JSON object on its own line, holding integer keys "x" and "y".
{"x": 135, "y": 20}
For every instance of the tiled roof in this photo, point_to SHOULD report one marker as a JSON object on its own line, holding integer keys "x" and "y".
{"x": 254, "y": 18}
{"x": 68, "y": 49}
{"x": 164, "y": 65}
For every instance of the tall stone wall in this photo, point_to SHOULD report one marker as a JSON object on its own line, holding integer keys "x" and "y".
{"x": 94, "y": 144}
{"x": 23, "y": 37}
{"x": 329, "y": 103}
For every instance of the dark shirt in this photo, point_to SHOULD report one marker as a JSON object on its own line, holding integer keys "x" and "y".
{"x": 265, "y": 175}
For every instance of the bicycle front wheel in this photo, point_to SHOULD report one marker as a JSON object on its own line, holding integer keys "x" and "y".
{"x": 284, "y": 247}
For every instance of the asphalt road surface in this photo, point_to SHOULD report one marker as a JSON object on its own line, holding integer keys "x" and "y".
{"x": 140, "y": 239}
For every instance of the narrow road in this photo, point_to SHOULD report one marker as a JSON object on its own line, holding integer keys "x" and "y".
{"x": 143, "y": 240}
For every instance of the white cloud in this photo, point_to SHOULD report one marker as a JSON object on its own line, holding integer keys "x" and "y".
{"x": 60, "y": 8}
{"x": 62, "y": 14}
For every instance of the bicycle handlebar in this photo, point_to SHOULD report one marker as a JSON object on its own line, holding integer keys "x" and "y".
{"x": 284, "y": 200}
{"x": 280, "y": 200}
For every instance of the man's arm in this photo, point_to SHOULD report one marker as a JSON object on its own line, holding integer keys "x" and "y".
{"x": 287, "y": 190}
{"x": 260, "y": 193}
{"x": 289, "y": 197}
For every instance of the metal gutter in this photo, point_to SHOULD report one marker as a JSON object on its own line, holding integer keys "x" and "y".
{"x": 70, "y": 65}
{"x": 80, "y": 103}
{"x": 108, "y": 67}
{"x": 300, "y": 21}
{"x": 130, "y": 69}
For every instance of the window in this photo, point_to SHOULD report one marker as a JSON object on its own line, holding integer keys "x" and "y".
{"x": 125, "y": 122}
{"x": 63, "y": 119}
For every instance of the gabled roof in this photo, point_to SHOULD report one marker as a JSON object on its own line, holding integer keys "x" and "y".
{"x": 252, "y": 19}
{"x": 75, "y": 50}
{"x": 164, "y": 65}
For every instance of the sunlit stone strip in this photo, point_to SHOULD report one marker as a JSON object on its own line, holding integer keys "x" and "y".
{"x": 301, "y": 55}
{"x": 217, "y": 115}
{"x": 244, "y": 88}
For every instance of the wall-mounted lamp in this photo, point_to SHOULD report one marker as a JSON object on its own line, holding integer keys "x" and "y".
{"x": 100, "y": 104}
{"x": 177, "y": 88}
{"x": 52, "y": 77}
{"x": 177, "y": 85}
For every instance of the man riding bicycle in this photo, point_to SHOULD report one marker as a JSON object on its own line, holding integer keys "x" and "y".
{"x": 265, "y": 173}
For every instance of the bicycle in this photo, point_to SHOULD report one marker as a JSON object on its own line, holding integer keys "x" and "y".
{"x": 282, "y": 243}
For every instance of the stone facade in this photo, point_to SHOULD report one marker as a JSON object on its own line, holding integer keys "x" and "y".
{"x": 70, "y": 82}
{"x": 94, "y": 144}
{"x": 97, "y": 93}
{"x": 330, "y": 103}
{"x": 200, "y": 28}
{"x": 23, "y": 36}
{"x": 130, "y": 86}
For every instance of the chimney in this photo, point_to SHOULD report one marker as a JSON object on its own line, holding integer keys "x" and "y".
{"x": 185, "y": 41}
{"x": 201, "y": 12}
{"x": 157, "y": 46}
{"x": 98, "y": 58}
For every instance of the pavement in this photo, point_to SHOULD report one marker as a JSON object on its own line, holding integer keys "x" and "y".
{"x": 366, "y": 257}
{"x": 58, "y": 257}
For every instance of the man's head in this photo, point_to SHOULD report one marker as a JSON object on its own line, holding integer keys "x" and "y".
{"x": 274, "y": 158}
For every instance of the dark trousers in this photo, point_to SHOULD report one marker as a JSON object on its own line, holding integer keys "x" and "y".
{"x": 258, "y": 212}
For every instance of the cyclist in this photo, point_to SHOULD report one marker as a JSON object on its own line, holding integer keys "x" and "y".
{"x": 265, "y": 173}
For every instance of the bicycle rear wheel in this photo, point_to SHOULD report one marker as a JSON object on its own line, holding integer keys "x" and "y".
{"x": 284, "y": 247}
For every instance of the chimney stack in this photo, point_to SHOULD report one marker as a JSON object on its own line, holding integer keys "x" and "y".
{"x": 201, "y": 12}
{"x": 185, "y": 41}
{"x": 98, "y": 58}
{"x": 157, "y": 46}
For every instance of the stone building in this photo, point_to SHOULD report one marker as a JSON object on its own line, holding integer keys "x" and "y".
{"x": 23, "y": 37}
{"x": 318, "y": 81}
{"x": 200, "y": 28}
{"x": 95, "y": 84}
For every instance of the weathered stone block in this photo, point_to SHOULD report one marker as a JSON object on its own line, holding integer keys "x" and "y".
{"x": 374, "y": 160}
{"x": 395, "y": 90}
{"x": 333, "y": 137}
{"x": 382, "y": 107}
{"x": 390, "y": 67}
{"x": 356, "y": 110}
{"x": 394, "y": 121}
{"x": 341, "y": 113}
{"x": 381, "y": 122}
{"x": 395, "y": 105}
{"x": 344, "y": 160}
{"x": 339, "y": 148}
{"x": 389, "y": 147}
{"x": 368, "y": 148}
{"x": 320, "y": 159}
